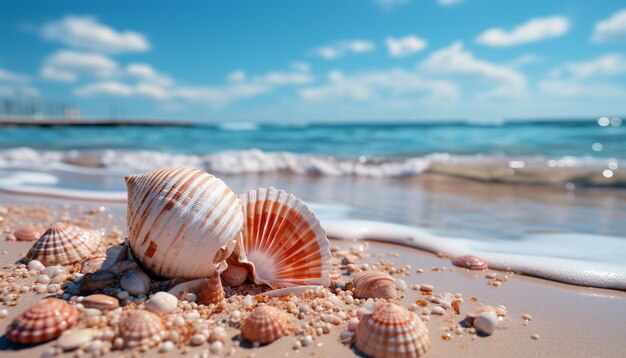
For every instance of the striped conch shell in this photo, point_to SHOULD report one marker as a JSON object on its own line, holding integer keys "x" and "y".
{"x": 392, "y": 331}
{"x": 283, "y": 242}
{"x": 265, "y": 325}
{"x": 182, "y": 222}
{"x": 142, "y": 329}
{"x": 470, "y": 262}
{"x": 374, "y": 284}
{"x": 42, "y": 322}
{"x": 64, "y": 244}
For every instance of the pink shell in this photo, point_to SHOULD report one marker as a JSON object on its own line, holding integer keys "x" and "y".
{"x": 235, "y": 275}
{"x": 392, "y": 332}
{"x": 142, "y": 329}
{"x": 42, "y": 322}
{"x": 283, "y": 242}
{"x": 470, "y": 262}
{"x": 64, "y": 244}
{"x": 374, "y": 284}
{"x": 264, "y": 325}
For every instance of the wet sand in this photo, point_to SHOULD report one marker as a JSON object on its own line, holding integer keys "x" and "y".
{"x": 569, "y": 320}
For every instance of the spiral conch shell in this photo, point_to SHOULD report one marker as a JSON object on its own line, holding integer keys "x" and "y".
{"x": 265, "y": 325}
{"x": 283, "y": 242}
{"x": 374, "y": 284}
{"x": 182, "y": 222}
{"x": 64, "y": 244}
{"x": 392, "y": 331}
{"x": 42, "y": 322}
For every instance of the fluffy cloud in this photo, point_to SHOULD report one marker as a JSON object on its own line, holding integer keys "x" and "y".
{"x": 531, "y": 31}
{"x": 574, "y": 88}
{"x": 343, "y": 48}
{"x": 236, "y": 76}
{"x": 456, "y": 61}
{"x": 147, "y": 73}
{"x": 404, "y": 46}
{"x": 85, "y": 32}
{"x": 607, "y": 65}
{"x": 13, "y": 77}
{"x": 107, "y": 87}
{"x": 378, "y": 84}
{"x": 611, "y": 29}
{"x": 68, "y": 66}
{"x": 449, "y": 2}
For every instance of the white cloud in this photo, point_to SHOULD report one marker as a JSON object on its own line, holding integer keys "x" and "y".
{"x": 13, "y": 77}
{"x": 611, "y": 29}
{"x": 456, "y": 61}
{"x": 301, "y": 66}
{"x": 573, "y": 88}
{"x": 147, "y": 73}
{"x": 109, "y": 88}
{"x": 343, "y": 48}
{"x": 607, "y": 65}
{"x": 531, "y": 31}
{"x": 68, "y": 66}
{"x": 523, "y": 60}
{"x": 404, "y": 46}
{"x": 236, "y": 76}
{"x": 449, "y": 2}
{"x": 85, "y": 32}
{"x": 378, "y": 84}
{"x": 390, "y": 4}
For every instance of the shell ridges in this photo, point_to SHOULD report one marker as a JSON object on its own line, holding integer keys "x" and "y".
{"x": 142, "y": 329}
{"x": 64, "y": 244}
{"x": 265, "y": 325}
{"x": 42, "y": 322}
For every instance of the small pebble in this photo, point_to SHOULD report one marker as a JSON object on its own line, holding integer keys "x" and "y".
{"x": 167, "y": 346}
{"x": 486, "y": 322}
{"x": 247, "y": 301}
{"x": 426, "y": 288}
{"x": 162, "y": 302}
{"x": 216, "y": 347}
{"x": 235, "y": 315}
{"x": 527, "y": 317}
{"x": 535, "y": 336}
{"x": 401, "y": 284}
{"x": 307, "y": 341}
{"x": 44, "y": 279}
{"x": 197, "y": 339}
{"x": 191, "y": 297}
{"x": 53, "y": 288}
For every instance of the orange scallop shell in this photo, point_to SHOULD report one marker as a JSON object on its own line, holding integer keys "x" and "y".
{"x": 141, "y": 329}
{"x": 283, "y": 242}
{"x": 470, "y": 262}
{"x": 265, "y": 325}
{"x": 64, "y": 244}
{"x": 374, "y": 284}
{"x": 392, "y": 332}
{"x": 42, "y": 322}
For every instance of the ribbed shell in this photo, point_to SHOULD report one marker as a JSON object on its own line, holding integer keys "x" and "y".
{"x": 182, "y": 222}
{"x": 235, "y": 275}
{"x": 211, "y": 290}
{"x": 64, "y": 244}
{"x": 374, "y": 284}
{"x": 265, "y": 325}
{"x": 470, "y": 262}
{"x": 392, "y": 332}
{"x": 283, "y": 242}
{"x": 42, "y": 322}
{"x": 141, "y": 329}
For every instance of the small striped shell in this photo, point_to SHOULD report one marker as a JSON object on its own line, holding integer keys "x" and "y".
{"x": 265, "y": 325}
{"x": 182, "y": 222}
{"x": 235, "y": 275}
{"x": 142, "y": 329}
{"x": 64, "y": 244}
{"x": 374, "y": 284}
{"x": 392, "y": 332}
{"x": 283, "y": 242}
{"x": 470, "y": 262}
{"x": 42, "y": 322}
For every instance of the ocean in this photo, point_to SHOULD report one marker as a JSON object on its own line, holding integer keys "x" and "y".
{"x": 547, "y": 198}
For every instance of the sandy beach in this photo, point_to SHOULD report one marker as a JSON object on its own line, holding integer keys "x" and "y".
{"x": 566, "y": 320}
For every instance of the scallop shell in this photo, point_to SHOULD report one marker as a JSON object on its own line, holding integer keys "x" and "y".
{"x": 374, "y": 284}
{"x": 235, "y": 275}
{"x": 182, "y": 222}
{"x": 283, "y": 242}
{"x": 470, "y": 262}
{"x": 42, "y": 322}
{"x": 141, "y": 329}
{"x": 211, "y": 290}
{"x": 265, "y": 325}
{"x": 64, "y": 244}
{"x": 392, "y": 331}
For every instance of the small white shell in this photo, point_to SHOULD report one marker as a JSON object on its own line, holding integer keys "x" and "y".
{"x": 142, "y": 329}
{"x": 162, "y": 302}
{"x": 64, "y": 244}
{"x": 283, "y": 242}
{"x": 182, "y": 222}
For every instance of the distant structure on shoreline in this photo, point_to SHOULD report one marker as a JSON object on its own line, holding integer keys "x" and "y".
{"x": 31, "y": 107}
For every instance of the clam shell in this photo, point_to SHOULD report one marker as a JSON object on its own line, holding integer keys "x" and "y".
{"x": 42, "y": 322}
{"x": 235, "y": 275}
{"x": 141, "y": 329}
{"x": 374, "y": 284}
{"x": 64, "y": 244}
{"x": 182, "y": 222}
{"x": 283, "y": 242}
{"x": 265, "y": 325}
{"x": 211, "y": 290}
{"x": 392, "y": 331}
{"x": 470, "y": 262}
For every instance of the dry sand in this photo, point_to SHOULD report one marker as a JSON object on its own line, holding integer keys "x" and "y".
{"x": 569, "y": 320}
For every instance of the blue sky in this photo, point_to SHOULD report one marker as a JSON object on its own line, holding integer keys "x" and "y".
{"x": 319, "y": 60}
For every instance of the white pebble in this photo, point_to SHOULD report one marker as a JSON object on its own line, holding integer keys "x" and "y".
{"x": 401, "y": 284}
{"x": 486, "y": 322}
{"x": 167, "y": 346}
{"x": 52, "y": 271}
{"x": 53, "y": 288}
{"x": 45, "y": 279}
{"x": 235, "y": 315}
{"x": 247, "y": 301}
{"x": 179, "y": 321}
{"x": 191, "y": 297}
{"x": 35, "y": 265}
{"x": 352, "y": 323}
{"x": 197, "y": 339}
{"x": 216, "y": 347}
{"x": 307, "y": 341}
{"x": 438, "y": 310}
{"x": 162, "y": 302}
